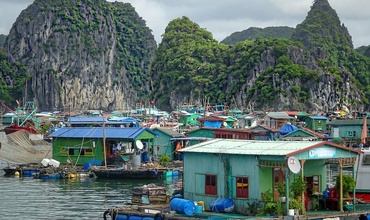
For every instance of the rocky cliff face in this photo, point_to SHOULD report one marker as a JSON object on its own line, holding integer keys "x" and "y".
{"x": 78, "y": 54}
{"x": 326, "y": 91}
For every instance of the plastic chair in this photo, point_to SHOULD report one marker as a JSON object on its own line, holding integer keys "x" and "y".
{"x": 307, "y": 202}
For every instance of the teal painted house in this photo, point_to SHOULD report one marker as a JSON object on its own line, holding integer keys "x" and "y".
{"x": 81, "y": 145}
{"x": 316, "y": 123}
{"x": 348, "y": 130}
{"x": 163, "y": 144}
{"x": 243, "y": 169}
{"x": 189, "y": 120}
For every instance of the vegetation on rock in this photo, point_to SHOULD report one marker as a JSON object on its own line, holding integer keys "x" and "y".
{"x": 98, "y": 54}
{"x": 254, "y": 33}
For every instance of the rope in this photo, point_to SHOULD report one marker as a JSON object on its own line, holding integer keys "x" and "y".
{"x": 79, "y": 153}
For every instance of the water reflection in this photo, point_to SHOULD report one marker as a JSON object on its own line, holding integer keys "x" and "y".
{"x": 85, "y": 198}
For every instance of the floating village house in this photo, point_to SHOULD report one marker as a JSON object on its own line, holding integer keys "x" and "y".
{"x": 277, "y": 119}
{"x": 163, "y": 144}
{"x": 81, "y": 145}
{"x": 316, "y": 123}
{"x": 349, "y": 131}
{"x": 243, "y": 169}
{"x": 246, "y": 121}
{"x": 265, "y": 133}
{"x": 303, "y": 134}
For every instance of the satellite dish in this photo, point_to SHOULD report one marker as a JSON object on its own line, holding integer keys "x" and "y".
{"x": 225, "y": 124}
{"x": 294, "y": 165}
{"x": 139, "y": 144}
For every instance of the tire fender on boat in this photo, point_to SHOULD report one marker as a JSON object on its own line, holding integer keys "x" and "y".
{"x": 105, "y": 214}
{"x": 159, "y": 216}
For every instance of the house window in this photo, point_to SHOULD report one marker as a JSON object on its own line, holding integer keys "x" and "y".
{"x": 71, "y": 151}
{"x": 63, "y": 152}
{"x": 89, "y": 152}
{"x": 211, "y": 185}
{"x": 242, "y": 187}
{"x": 218, "y": 136}
{"x": 351, "y": 134}
{"x": 82, "y": 152}
{"x": 75, "y": 151}
{"x": 366, "y": 160}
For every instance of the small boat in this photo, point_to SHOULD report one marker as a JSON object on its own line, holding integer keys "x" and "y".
{"x": 23, "y": 170}
{"x": 122, "y": 173}
{"x": 10, "y": 170}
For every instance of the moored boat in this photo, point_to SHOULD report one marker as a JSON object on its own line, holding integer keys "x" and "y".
{"x": 122, "y": 173}
{"x": 22, "y": 170}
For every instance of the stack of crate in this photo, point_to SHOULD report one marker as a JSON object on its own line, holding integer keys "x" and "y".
{"x": 149, "y": 194}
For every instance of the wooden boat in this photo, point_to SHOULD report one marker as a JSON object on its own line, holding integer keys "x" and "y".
{"x": 122, "y": 173}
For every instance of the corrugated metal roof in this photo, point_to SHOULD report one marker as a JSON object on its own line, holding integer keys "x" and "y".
{"x": 279, "y": 115}
{"x": 252, "y": 147}
{"x": 97, "y": 132}
{"x": 170, "y": 132}
{"x": 348, "y": 122}
{"x": 319, "y": 117}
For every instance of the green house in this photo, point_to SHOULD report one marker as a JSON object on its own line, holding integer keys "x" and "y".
{"x": 243, "y": 170}
{"x": 348, "y": 130}
{"x": 189, "y": 119}
{"x": 81, "y": 145}
{"x": 316, "y": 123}
{"x": 163, "y": 144}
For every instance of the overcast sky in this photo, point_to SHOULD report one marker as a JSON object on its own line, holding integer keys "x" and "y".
{"x": 223, "y": 17}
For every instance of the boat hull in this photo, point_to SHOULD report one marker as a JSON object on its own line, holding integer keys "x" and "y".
{"x": 127, "y": 174}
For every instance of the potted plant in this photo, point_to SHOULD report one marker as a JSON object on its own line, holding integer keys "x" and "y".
{"x": 252, "y": 208}
{"x": 164, "y": 160}
{"x": 348, "y": 184}
{"x": 267, "y": 196}
{"x": 273, "y": 208}
{"x": 296, "y": 205}
{"x": 297, "y": 187}
{"x": 280, "y": 186}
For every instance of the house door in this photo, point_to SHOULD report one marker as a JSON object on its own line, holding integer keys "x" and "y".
{"x": 278, "y": 178}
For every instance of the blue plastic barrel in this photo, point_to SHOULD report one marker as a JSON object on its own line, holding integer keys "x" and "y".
{"x": 182, "y": 206}
{"x": 222, "y": 205}
{"x": 175, "y": 173}
{"x": 122, "y": 217}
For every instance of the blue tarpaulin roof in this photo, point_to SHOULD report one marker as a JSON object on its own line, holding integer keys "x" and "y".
{"x": 287, "y": 128}
{"x": 97, "y": 132}
{"x": 213, "y": 124}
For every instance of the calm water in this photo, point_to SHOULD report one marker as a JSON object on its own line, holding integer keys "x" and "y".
{"x": 87, "y": 198}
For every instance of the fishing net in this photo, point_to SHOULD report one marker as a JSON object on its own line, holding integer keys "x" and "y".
{"x": 22, "y": 147}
